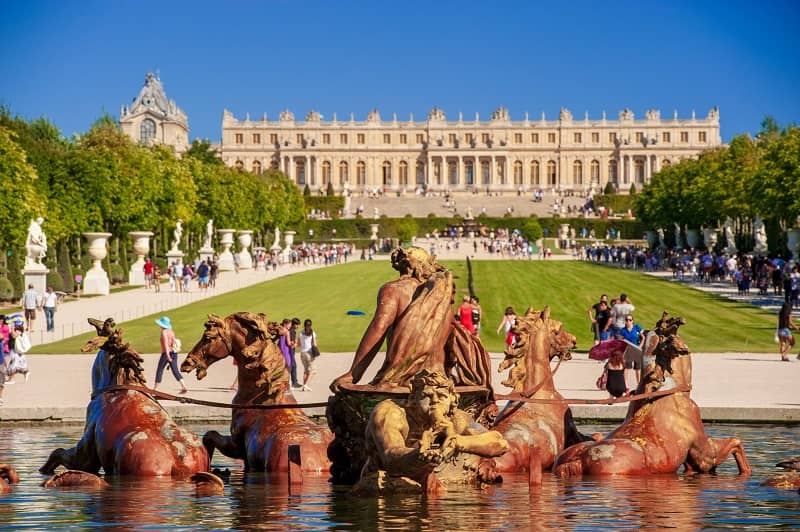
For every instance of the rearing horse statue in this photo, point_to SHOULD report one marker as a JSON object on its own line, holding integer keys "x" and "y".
{"x": 127, "y": 432}
{"x": 546, "y": 427}
{"x": 259, "y": 437}
{"x": 659, "y": 434}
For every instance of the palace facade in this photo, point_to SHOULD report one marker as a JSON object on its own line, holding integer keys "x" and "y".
{"x": 153, "y": 118}
{"x": 462, "y": 155}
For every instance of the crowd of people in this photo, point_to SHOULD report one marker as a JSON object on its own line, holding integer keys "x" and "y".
{"x": 303, "y": 340}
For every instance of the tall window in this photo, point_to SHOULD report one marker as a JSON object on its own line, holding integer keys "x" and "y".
{"x": 343, "y": 172}
{"x": 517, "y": 138}
{"x": 420, "y": 173}
{"x": 387, "y": 173}
{"x": 684, "y": 136}
{"x": 595, "y": 138}
{"x": 551, "y": 172}
{"x": 701, "y": 136}
{"x": 387, "y": 138}
{"x": 403, "y": 171}
{"x": 638, "y": 168}
{"x": 437, "y": 172}
{"x": 612, "y": 171}
{"x": 147, "y": 131}
{"x": 420, "y": 138}
{"x": 665, "y": 163}
{"x": 273, "y": 138}
{"x": 299, "y": 138}
{"x": 469, "y": 137}
{"x": 300, "y": 172}
{"x": 239, "y": 165}
{"x": 595, "y": 171}
{"x": 452, "y": 172}
{"x": 639, "y": 136}
{"x": 256, "y": 138}
{"x": 577, "y": 138}
{"x": 551, "y": 138}
{"x": 501, "y": 172}
{"x": 256, "y": 168}
{"x": 361, "y": 173}
{"x": 326, "y": 172}
{"x": 486, "y": 176}
{"x": 239, "y": 138}
{"x": 485, "y": 138}
{"x": 612, "y": 138}
{"x": 577, "y": 173}
{"x": 665, "y": 136}
{"x": 469, "y": 171}
{"x": 535, "y": 173}
{"x": 326, "y": 138}
{"x": 451, "y": 138}
{"x": 403, "y": 138}
{"x": 359, "y": 138}
{"x": 518, "y": 172}
{"x": 343, "y": 138}
{"x": 534, "y": 138}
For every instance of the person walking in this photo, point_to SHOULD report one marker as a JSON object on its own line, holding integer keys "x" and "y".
{"x": 293, "y": 343}
{"x": 600, "y": 314}
{"x": 49, "y": 307}
{"x": 785, "y": 328}
{"x": 308, "y": 353}
{"x": 169, "y": 353}
{"x": 148, "y": 273}
{"x": 507, "y": 323}
{"x": 18, "y": 363}
{"x": 29, "y": 303}
{"x": 619, "y": 311}
{"x": 465, "y": 314}
{"x": 633, "y": 334}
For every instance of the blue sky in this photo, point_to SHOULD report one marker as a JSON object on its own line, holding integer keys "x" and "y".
{"x": 71, "y": 60}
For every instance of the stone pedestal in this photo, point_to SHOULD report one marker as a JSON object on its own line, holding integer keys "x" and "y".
{"x": 174, "y": 255}
{"x": 36, "y": 275}
{"x": 225, "y": 262}
{"x": 206, "y": 254}
{"x": 245, "y": 258}
{"x": 96, "y": 279}
{"x": 141, "y": 246}
{"x": 288, "y": 239}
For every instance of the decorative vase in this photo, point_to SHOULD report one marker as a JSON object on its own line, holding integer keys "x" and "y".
{"x": 245, "y": 259}
{"x": 96, "y": 279}
{"x": 141, "y": 247}
{"x": 225, "y": 262}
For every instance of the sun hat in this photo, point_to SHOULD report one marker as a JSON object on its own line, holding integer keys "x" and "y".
{"x": 164, "y": 322}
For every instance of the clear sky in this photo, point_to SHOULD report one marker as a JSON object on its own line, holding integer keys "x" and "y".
{"x": 71, "y": 60}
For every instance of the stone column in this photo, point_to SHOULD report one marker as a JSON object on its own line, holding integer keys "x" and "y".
{"x": 245, "y": 258}
{"x": 647, "y": 168}
{"x": 493, "y": 173}
{"x": 629, "y": 168}
{"x": 225, "y": 262}
{"x": 462, "y": 175}
{"x": 141, "y": 247}
{"x": 96, "y": 279}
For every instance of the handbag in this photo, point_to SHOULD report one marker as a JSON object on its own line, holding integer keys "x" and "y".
{"x": 602, "y": 380}
{"x": 314, "y": 351}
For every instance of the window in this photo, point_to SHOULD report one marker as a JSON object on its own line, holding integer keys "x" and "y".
{"x": 485, "y": 175}
{"x": 534, "y": 138}
{"x": 485, "y": 138}
{"x": 665, "y": 163}
{"x": 595, "y": 171}
{"x": 665, "y": 137}
{"x": 420, "y": 173}
{"x": 420, "y": 138}
{"x": 387, "y": 173}
{"x": 239, "y": 138}
{"x": 535, "y": 173}
{"x": 437, "y": 172}
{"x": 518, "y": 171}
{"x": 239, "y": 165}
{"x": 361, "y": 173}
{"x": 612, "y": 138}
{"x": 469, "y": 173}
{"x": 638, "y": 169}
{"x": 595, "y": 138}
{"x": 551, "y": 138}
{"x": 469, "y": 138}
{"x": 701, "y": 136}
{"x": 387, "y": 138}
{"x": 256, "y": 168}
{"x": 639, "y": 136}
{"x": 147, "y": 131}
{"x": 452, "y": 172}
{"x": 273, "y": 138}
{"x": 300, "y": 172}
{"x": 403, "y": 138}
{"x": 577, "y": 173}
{"x": 326, "y": 138}
{"x": 256, "y": 138}
{"x": 517, "y": 138}
{"x": 299, "y": 138}
{"x": 684, "y": 136}
{"x": 359, "y": 138}
{"x": 451, "y": 138}
{"x": 343, "y": 138}
{"x": 612, "y": 170}
{"x": 343, "y": 172}
{"x": 577, "y": 138}
{"x": 326, "y": 172}
{"x": 551, "y": 172}
{"x": 403, "y": 171}
{"x": 501, "y": 172}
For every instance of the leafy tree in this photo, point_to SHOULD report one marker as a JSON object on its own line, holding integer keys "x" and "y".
{"x": 203, "y": 151}
{"x": 329, "y": 191}
{"x": 406, "y": 229}
{"x": 531, "y": 229}
{"x": 24, "y": 203}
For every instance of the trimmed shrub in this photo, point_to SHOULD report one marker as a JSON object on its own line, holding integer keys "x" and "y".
{"x": 54, "y": 280}
{"x": 6, "y": 290}
{"x": 117, "y": 274}
{"x": 609, "y": 188}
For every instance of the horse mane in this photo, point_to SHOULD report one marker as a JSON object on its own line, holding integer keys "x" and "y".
{"x": 525, "y": 329}
{"x": 261, "y": 352}
{"x": 669, "y": 347}
{"x": 124, "y": 363}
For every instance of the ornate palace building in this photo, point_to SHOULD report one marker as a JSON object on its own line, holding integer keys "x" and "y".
{"x": 462, "y": 155}
{"x": 153, "y": 118}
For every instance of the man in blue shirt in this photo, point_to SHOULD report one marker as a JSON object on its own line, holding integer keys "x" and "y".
{"x": 633, "y": 334}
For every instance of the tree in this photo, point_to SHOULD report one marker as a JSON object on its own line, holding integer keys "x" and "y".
{"x": 532, "y": 229}
{"x": 609, "y": 188}
{"x": 19, "y": 177}
{"x": 203, "y": 151}
{"x": 329, "y": 191}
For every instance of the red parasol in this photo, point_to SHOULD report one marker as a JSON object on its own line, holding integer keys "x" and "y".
{"x": 603, "y": 350}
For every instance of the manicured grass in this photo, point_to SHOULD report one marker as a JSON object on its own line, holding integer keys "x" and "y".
{"x": 325, "y": 296}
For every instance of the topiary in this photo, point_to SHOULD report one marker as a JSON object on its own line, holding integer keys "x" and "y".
{"x": 6, "y": 290}
{"x": 117, "y": 274}
{"x": 633, "y": 188}
{"x": 306, "y": 191}
{"x": 329, "y": 192}
{"x": 609, "y": 188}
{"x": 55, "y": 281}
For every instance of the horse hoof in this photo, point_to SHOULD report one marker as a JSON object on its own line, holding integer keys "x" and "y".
{"x": 8, "y": 474}
{"x": 207, "y": 483}
{"x": 72, "y": 478}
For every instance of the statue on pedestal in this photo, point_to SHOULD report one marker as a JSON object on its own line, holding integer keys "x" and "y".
{"x": 209, "y": 234}
{"x": 277, "y": 243}
{"x": 35, "y": 243}
{"x": 759, "y": 236}
{"x": 177, "y": 234}
{"x": 730, "y": 242}
{"x": 660, "y": 233}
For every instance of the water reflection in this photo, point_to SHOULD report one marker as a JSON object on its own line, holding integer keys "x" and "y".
{"x": 258, "y": 502}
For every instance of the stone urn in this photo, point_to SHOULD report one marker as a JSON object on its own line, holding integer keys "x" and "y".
{"x": 710, "y": 237}
{"x": 793, "y": 241}
{"x": 693, "y": 238}
{"x": 225, "y": 262}
{"x": 374, "y": 228}
{"x": 245, "y": 258}
{"x": 141, "y": 247}
{"x": 96, "y": 279}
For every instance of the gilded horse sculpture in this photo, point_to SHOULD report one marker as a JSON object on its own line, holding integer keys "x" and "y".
{"x": 260, "y": 438}
{"x": 8, "y": 476}
{"x": 658, "y": 435}
{"x": 544, "y": 428}
{"x": 127, "y": 432}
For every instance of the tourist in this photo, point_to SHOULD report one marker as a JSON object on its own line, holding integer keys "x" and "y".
{"x": 203, "y": 271}
{"x": 507, "y": 324}
{"x": 615, "y": 374}
{"x": 187, "y": 273}
{"x": 285, "y": 341}
{"x": 785, "y": 327}
{"x": 308, "y": 353}
{"x": 29, "y": 303}
{"x": 21, "y": 344}
{"x": 156, "y": 278}
{"x": 169, "y": 353}
{"x": 465, "y": 314}
{"x": 49, "y": 307}
{"x": 634, "y": 335}
{"x": 293, "y": 343}
{"x": 619, "y": 311}
{"x": 476, "y": 314}
{"x": 5, "y": 335}
{"x": 599, "y": 314}
{"x": 148, "y": 273}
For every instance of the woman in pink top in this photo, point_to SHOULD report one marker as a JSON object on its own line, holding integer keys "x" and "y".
{"x": 169, "y": 353}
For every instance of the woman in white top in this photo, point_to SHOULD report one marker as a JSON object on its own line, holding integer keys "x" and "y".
{"x": 308, "y": 340}
{"x": 508, "y": 321}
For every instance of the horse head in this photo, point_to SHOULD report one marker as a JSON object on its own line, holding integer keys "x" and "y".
{"x": 214, "y": 345}
{"x": 124, "y": 363}
{"x": 261, "y": 353}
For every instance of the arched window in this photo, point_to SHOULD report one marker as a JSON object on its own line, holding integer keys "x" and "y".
{"x": 361, "y": 173}
{"x": 469, "y": 173}
{"x": 403, "y": 171}
{"x": 147, "y": 131}
{"x": 239, "y": 165}
{"x": 326, "y": 173}
{"x": 300, "y": 172}
{"x": 612, "y": 171}
{"x": 577, "y": 173}
{"x": 551, "y": 172}
{"x": 452, "y": 172}
{"x": 420, "y": 173}
{"x": 256, "y": 167}
{"x": 387, "y": 173}
{"x": 518, "y": 172}
{"x": 595, "y": 171}
{"x": 343, "y": 172}
{"x": 535, "y": 173}
{"x": 665, "y": 163}
{"x": 486, "y": 176}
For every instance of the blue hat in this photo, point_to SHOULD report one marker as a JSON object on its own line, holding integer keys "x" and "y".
{"x": 164, "y": 322}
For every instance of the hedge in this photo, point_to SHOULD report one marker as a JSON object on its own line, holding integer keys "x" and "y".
{"x": 330, "y": 204}
{"x": 616, "y": 203}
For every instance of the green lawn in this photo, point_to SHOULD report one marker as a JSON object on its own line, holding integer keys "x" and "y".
{"x": 325, "y": 295}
